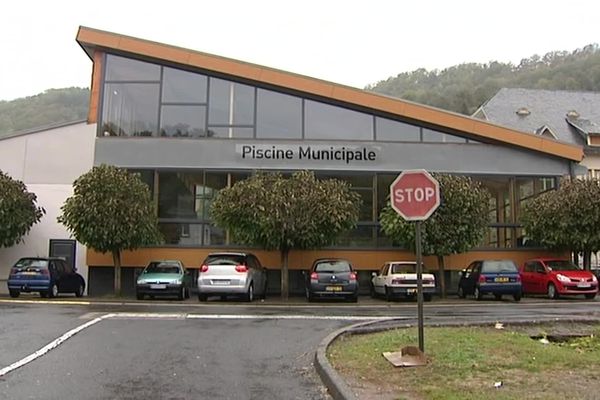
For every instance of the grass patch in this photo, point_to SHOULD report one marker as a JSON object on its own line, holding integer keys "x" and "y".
{"x": 466, "y": 362}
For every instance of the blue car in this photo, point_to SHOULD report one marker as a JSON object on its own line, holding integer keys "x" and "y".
{"x": 495, "y": 277}
{"x": 45, "y": 275}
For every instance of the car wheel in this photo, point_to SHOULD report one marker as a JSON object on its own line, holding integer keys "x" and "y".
{"x": 202, "y": 297}
{"x": 388, "y": 294}
{"x": 498, "y": 296}
{"x": 590, "y": 296}
{"x": 187, "y": 293}
{"x": 552, "y": 292}
{"x": 139, "y": 296}
{"x": 309, "y": 295}
{"x": 53, "y": 292}
{"x": 372, "y": 291}
{"x": 250, "y": 293}
{"x": 461, "y": 292}
{"x": 181, "y": 294}
{"x": 263, "y": 296}
{"x": 80, "y": 290}
{"x": 14, "y": 293}
{"x": 427, "y": 296}
{"x": 477, "y": 294}
{"x": 517, "y": 297}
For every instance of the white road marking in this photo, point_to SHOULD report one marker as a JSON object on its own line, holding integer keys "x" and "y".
{"x": 66, "y": 302}
{"x": 57, "y": 342}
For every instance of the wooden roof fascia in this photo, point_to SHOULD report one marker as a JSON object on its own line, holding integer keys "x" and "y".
{"x": 444, "y": 120}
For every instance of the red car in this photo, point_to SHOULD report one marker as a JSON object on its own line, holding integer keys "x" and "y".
{"x": 557, "y": 277}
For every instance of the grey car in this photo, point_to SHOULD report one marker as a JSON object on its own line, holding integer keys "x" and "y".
{"x": 332, "y": 278}
{"x": 229, "y": 273}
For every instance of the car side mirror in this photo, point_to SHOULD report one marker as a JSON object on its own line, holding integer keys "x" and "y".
{"x": 373, "y": 273}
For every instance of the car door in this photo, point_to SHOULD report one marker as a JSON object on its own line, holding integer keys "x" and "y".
{"x": 469, "y": 277}
{"x": 540, "y": 277}
{"x": 57, "y": 271}
{"x": 379, "y": 280}
{"x": 527, "y": 278}
{"x": 258, "y": 274}
{"x": 69, "y": 278}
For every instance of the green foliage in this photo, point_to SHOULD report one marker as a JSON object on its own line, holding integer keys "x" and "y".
{"x": 567, "y": 218}
{"x": 51, "y": 107}
{"x": 299, "y": 212}
{"x": 463, "y": 88}
{"x": 110, "y": 210}
{"x": 455, "y": 227}
{"x": 18, "y": 211}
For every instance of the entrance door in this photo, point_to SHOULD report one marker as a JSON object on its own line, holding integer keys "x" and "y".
{"x": 64, "y": 248}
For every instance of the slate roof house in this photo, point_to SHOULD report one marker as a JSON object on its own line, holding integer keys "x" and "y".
{"x": 567, "y": 116}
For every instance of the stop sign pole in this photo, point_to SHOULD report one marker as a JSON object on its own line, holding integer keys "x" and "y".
{"x": 415, "y": 195}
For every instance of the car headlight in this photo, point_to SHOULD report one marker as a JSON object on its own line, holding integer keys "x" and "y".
{"x": 141, "y": 282}
{"x": 594, "y": 279}
{"x": 562, "y": 278}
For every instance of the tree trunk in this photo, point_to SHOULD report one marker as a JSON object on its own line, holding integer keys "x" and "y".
{"x": 441, "y": 277}
{"x": 284, "y": 274}
{"x": 587, "y": 260}
{"x": 117, "y": 262}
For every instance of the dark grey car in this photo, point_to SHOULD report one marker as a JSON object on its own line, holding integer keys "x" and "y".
{"x": 332, "y": 278}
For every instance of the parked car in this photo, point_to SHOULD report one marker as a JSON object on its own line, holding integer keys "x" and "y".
{"x": 496, "y": 277}
{"x": 47, "y": 275}
{"x": 331, "y": 277}
{"x": 229, "y": 273}
{"x": 557, "y": 277}
{"x": 399, "y": 278}
{"x": 163, "y": 278}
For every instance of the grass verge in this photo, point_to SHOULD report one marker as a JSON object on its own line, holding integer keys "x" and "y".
{"x": 467, "y": 362}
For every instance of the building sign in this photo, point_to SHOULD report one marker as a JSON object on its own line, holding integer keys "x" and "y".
{"x": 346, "y": 154}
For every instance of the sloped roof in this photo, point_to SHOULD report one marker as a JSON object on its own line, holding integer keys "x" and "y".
{"x": 549, "y": 108}
{"x": 92, "y": 40}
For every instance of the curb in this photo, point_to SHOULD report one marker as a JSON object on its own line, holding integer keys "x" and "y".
{"x": 337, "y": 386}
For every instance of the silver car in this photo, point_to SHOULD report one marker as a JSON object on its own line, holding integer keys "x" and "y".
{"x": 228, "y": 273}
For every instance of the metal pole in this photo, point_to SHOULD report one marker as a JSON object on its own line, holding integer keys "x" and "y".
{"x": 419, "y": 285}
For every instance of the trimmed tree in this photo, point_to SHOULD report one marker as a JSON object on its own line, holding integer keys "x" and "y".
{"x": 278, "y": 213}
{"x": 18, "y": 210}
{"x": 456, "y": 226}
{"x": 567, "y": 218}
{"x": 111, "y": 210}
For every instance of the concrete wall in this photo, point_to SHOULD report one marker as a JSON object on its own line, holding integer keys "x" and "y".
{"x": 48, "y": 162}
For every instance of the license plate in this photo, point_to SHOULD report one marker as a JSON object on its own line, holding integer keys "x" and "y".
{"x": 411, "y": 291}
{"x": 583, "y": 285}
{"x": 501, "y": 279}
{"x": 333, "y": 288}
{"x": 220, "y": 282}
{"x": 158, "y": 286}
{"x": 29, "y": 273}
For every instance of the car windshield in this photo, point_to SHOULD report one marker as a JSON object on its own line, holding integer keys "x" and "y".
{"x": 31, "y": 262}
{"x": 408, "y": 268}
{"x": 333, "y": 266}
{"x": 499, "y": 266}
{"x": 562, "y": 265}
{"x": 162, "y": 268}
{"x": 229, "y": 259}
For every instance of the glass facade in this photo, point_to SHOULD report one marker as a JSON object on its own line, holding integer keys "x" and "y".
{"x": 145, "y": 99}
{"x": 150, "y": 100}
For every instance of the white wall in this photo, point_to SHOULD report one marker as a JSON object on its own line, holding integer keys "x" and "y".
{"x": 48, "y": 162}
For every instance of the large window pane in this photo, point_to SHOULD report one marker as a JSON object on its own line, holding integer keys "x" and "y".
{"x": 439, "y": 137}
{"x": 176, "y": 194}
{"x": 130, "y": 109}
{"x": 205, "y": 194}
{"x": 183, "y": 87}
{"x": 323, "y": 121}
{"x": 230, "y": 132}
{"x": 191, "y": 234}
{"x": 279, "y": 116}
{"x": 183, "y": 121}
{"x": 127, "y": 69}
{"x": 230, "y": 103}
{"x": 387, "y": 129}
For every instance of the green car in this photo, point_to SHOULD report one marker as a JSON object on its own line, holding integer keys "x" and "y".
{"x": 163, "y": 278}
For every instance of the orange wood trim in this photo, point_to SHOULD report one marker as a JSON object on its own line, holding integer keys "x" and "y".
{"x": 472, "y": 127}
{"x": 298, "y": 260}
{"x": 95, "y": 89}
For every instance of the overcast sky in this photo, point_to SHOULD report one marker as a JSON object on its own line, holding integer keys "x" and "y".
{"x": 355, "y": 43}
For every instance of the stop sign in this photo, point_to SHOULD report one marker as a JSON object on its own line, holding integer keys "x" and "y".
{"x": 415, "y": 195}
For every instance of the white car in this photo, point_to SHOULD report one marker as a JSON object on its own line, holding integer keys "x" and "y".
{"x": 399, "y": 278}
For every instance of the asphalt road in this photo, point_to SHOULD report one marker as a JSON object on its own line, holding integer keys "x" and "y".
{"x": 215, "y": 350}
